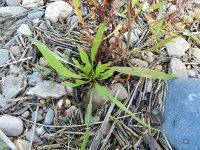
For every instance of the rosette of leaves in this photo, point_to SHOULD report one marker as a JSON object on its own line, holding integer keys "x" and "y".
{"x": 91, "y": 75}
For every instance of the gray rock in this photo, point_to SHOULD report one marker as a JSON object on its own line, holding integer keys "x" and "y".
{"x": 177, "y": 68}
{"x": 3, "y": 101}
{"x": 182, "y": 114}
{"x": 13, "y": 2}
{"x": 26, "y": 114}
{"x": 133, "y": 37}
{"x": 36, "y": 138}
{"x": 35, "y": 15}
{"x": 40, "y": 130}
{"x": 13, "y": 86}
{"x": 11, "y": 126}
{"x": 32, "y": 3}
{"x": 24, "y": 30}
{"x": 11, "y": 11}
{"x": 49, "y": 117}
{"x": 196, "y": 53}
{"x": 138, "y": 62}
{"x": 191, "y": 73}
{"x": 98, "y": 101}
{"x": 43, "y": 26}
{"x": 10, "y": 43}
{"x": 46, "y": 89}
{"x": 14, "y": 70}
{"x": 22, "y": 144}
{"x": 4, "y": 56}
{"x": 39, "y": 116}
{"x": 69, "y": 113}
{"x": 177, "y": 47}
{"x": 15, "y": 50}
{"x": 21, "y": 21}
{"x": 34, "y": 78}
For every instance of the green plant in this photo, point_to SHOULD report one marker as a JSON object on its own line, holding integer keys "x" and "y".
{"x": 93, "y": 76}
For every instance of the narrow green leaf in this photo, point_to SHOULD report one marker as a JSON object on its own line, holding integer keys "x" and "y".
{"x": 193, "y": 37}
{"x": 97, "y": 41}
{"x": 155, "y": 6}
{"x": 52, "y": 60}
{"x": 101, "y": 68}
{"x": 77, "y": 64}
{"x": 83, "y": 55}
{"x": 106, "y": 74}
{"x": 104, "y": 92}
{"x": 160, "y": 44}
{"x": 134, "y": 2}
{"x": 76, "y": 84}
{"x": 77, "y": 6}
{"x": 88, "y": 118}
{"x": 144, "y": 72}
{"x": 87, "y": 68}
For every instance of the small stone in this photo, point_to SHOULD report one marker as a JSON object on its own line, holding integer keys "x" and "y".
{"x": 133, "y": 37}
{"x": 36, "y": 21}
{"x": 43, "y": 26}
{"x": 34, "y": 78}
{"x": 181, "y": 116}
{"x": 49, "y": 117}
{"x": 39, "y": 116}
{"x": 172, "y": 8}
{"x": 98, "y": 101}
{"x": 138, "y": 62}
{"x": 40, "y": 130}
{"x": 15, "y": 50}
{"x": 69, "y": 112}
{"x": 36, "y": 138}
{"x": 46, "y": 89}
{"x": 11, "y": 126}
{"x": 24, "y": 30}
{"x": 177, "y": 68}
{"x": 26, "y": 114}
{"x": 43, "y": 62}
{"x": 4, "y": 56}
{"x": 191, "y": 73}
{"x": 22, "y": 144}
{"x": 196, "y": 53}
{"x": 149, "y": 57}
{"x": 158, "y": 68}
{"x": 149, "y": 85}
{"x": 67, "y": 103}
{"x": 35, "y": 15}
{"x": 14, "y": 70}
{"x": 13, "y": 86}
{"x": 177, "y": 47}
{"x": 32, "y": 3}
{"x": 58, "y": 9}
{"x": 3, "y": 101}
{"x": 13, "y": 2}
{"x": 21, "y": 21}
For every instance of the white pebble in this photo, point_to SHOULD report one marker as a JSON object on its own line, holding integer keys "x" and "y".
{"x": 24, "y": 30}
{"x": 32, "y": 3}
{"x": 56, "y": 10}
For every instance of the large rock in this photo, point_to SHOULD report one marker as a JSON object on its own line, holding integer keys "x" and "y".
{"x": 13, "y": 86}
{"x": 177, "y": 68}
{"x": 98, "y": 101}
{"x": 177, "y": 47}
{"x": 58, "y": 9}
{"x": 47, "y": 89}
{"x": 11, "y": 126}
{"x": 4, "y": 56}
{"x": 11, "y": 11}
{"x": 182, "y": 114}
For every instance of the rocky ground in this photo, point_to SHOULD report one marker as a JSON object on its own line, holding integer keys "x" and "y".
{"x": 33, "y": 114}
